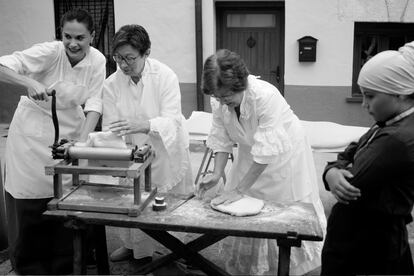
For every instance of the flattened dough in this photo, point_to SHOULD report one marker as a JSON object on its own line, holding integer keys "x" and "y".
{"x": 246, "y": 206}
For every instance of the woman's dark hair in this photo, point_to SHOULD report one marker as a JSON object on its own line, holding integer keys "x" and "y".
{"x": 135, "y": 36}
{"x": 225, "y": 69}
{"x": 80, "y": 15}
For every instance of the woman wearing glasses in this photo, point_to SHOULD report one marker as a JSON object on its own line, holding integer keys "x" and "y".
{"x": 274, "y": 160}
{"x": 142, "y": 102}
{"x": 76, "y": 71}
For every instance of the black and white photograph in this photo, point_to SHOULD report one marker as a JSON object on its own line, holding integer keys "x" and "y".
{"x": 206, "y": 137}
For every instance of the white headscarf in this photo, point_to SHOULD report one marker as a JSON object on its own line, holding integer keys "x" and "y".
{"x": 390, "y": 72}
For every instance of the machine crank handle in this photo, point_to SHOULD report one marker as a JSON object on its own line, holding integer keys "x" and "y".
{"x": 55, "y": 119}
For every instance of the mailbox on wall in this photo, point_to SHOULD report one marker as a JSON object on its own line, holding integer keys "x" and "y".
{"x": 307, "y": 48}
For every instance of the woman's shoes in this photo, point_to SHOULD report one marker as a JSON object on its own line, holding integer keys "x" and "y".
{"x": 121, "y": 254}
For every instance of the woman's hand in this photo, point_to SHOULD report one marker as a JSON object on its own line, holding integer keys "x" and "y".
{"x": 207, "y": 182}
{"x": 37, "y": 91}
{"x": 340, "y": 187}
{"x": 124, "y": 127}
{"x": 227, "y": 197}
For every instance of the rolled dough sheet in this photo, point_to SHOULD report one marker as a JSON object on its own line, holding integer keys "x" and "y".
{"x": 246, "y": 206}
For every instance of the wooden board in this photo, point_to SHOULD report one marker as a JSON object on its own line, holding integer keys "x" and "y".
{"x": 104, "y": 198}
{"x": 275, "y": 221}
{"x": 297, "y": 218}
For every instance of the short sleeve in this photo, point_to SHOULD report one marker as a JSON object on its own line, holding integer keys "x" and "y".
{"x": 110, "y": 112}
{"x": 271, "y": 139}
{"x": 94, "y": 102}
{"x": 35, "y": 59}
{"x": 218, "y": 139}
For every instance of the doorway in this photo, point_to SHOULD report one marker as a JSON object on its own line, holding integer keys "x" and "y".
{"x": 255, "y": 30}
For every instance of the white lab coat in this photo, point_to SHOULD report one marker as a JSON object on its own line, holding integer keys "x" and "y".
{"x": 268, "y": 132}
{"x": 31, "y": 131}
{"x": 156, "y": 97}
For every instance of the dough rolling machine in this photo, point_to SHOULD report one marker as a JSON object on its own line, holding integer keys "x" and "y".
{"x": 99, "y": 197}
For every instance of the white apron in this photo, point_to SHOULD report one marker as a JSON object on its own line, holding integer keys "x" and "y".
{"x": 31, "y": 134}
{"x": 267, "y": 127}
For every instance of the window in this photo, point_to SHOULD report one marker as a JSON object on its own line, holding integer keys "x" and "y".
{"x": 235, "y": 20}
{"x": 102, "y": 12}
{"x": 372, "y": 38}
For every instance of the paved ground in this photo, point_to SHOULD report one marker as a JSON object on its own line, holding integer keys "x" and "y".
{"x": 128, "y": 268}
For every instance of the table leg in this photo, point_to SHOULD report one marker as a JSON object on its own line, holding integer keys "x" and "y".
{"x": 101, "y": 249}
{"x": 79, "y": 252}
{"x": 148, "y": 178}
{"x": 200, "y": 169}
{"x": 284, "y": 254}
{"x": 137, "y": 190}
{"x": 198, "y": 244}
{"x": 284, "y": 261}
{"x": 182, "y": 249}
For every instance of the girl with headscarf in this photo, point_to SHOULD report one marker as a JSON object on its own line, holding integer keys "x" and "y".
{"x": 373, "y": 179}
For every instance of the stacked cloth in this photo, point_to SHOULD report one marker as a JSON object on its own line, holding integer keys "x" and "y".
{"x": 331, "y": 137}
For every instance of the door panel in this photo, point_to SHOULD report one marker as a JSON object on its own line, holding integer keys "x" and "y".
{"x": 260, "y": 47}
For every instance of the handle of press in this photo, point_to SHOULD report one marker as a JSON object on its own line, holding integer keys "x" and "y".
{"x": 54, "y": 116}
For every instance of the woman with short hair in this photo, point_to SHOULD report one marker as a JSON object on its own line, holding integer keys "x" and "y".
{"x": 274, "y": 160}
{"x": 142, "y": 102}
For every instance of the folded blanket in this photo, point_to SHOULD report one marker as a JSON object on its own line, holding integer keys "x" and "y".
{"x": 331, "y": 137}
{"x": 199, "y": 123}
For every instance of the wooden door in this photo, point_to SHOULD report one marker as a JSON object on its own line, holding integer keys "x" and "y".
{"x": 256, "y": 33}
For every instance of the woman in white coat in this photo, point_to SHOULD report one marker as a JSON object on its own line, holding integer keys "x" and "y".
{"x": 274, "y": 160}
{"x": 76, "y": 72}
{"x": 142, "y": 102}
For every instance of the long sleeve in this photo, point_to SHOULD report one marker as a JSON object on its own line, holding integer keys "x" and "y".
{"x": 271, "y": 138}
{"x": 344, "y": 159}
{"x": 169, "y": 121}
{"x": 218, "y": 139}
{"x": 168, "y": 124}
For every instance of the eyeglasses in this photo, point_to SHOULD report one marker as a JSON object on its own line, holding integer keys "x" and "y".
{"x": 222, "y": 98}
{"x": 128, "y": 60}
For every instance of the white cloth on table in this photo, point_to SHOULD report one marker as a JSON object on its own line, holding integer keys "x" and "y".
{"x": 31, "y": 131}
{"x": 331, "y": 137}
{"x": 268, "y": 132}
{"x": 199, "y": 125}
{"x": 156, "y": 97}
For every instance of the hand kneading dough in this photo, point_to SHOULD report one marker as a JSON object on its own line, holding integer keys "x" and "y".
{"x": 246, "y": 206}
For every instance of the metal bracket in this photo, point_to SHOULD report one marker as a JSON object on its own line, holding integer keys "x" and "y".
{"x": 291, "y": 239}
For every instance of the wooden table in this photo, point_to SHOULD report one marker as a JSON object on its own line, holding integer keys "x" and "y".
{"x": 289, "y": 224}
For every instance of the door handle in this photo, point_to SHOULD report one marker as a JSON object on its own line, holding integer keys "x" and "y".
{"x": 277, "y": 73}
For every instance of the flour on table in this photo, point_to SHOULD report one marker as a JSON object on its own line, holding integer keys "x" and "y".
{"x": 246, "y": 206}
